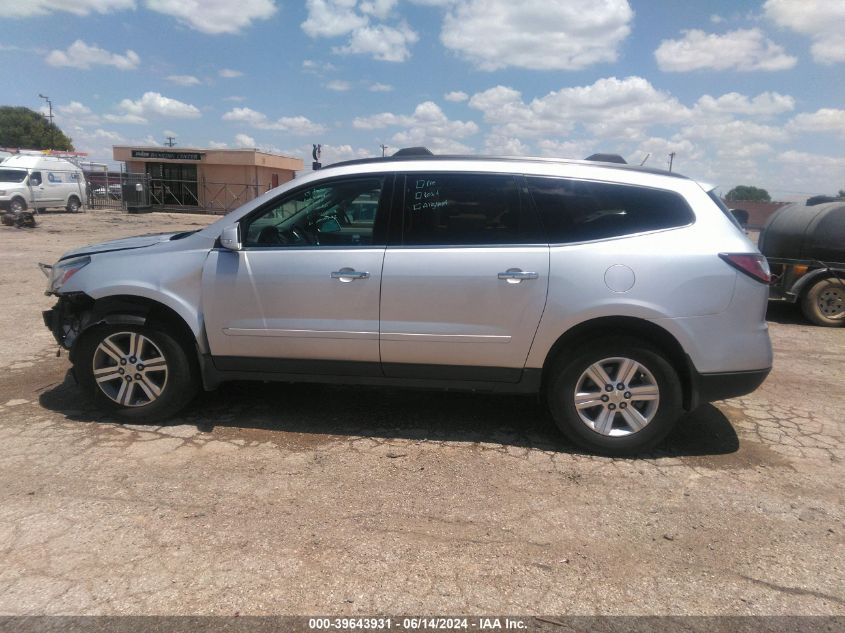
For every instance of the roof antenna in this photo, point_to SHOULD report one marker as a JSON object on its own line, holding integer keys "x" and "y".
{"x": 645, "y": 159}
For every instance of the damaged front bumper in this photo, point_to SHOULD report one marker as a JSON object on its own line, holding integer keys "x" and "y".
{"x": 67, "y": 318}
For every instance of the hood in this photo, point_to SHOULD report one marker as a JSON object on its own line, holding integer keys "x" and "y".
{"x": 141, "y": 241}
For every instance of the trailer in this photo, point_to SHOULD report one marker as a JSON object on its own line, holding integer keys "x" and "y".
{"x": 804, "y": 244}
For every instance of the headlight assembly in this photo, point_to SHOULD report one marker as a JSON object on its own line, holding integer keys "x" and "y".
{"x": 62, "y": 271}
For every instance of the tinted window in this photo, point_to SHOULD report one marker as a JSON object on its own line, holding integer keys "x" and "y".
{"x": 466, "y": 209}
{"x": 577, "y": 210}
{"x": 336, "y": 213}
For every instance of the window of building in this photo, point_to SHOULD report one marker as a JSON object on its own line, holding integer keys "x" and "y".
{"x": 578, "y": 210}
{"x": 466, "y": 209}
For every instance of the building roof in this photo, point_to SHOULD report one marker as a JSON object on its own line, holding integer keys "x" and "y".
{"x": 209, "y": 156}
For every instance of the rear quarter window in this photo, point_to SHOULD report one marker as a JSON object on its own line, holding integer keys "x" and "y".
{"x": 580, "y": 210}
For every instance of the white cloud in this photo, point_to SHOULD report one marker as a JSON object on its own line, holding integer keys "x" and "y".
{"x": 76, "y": 113}
{"x": 764, "y": 104}
{"x": 427, "y": 126}
{"x": 183, "y": 80}
{"x": 317, "y": 67}
{"x": 214, "y": 16}
{"x": 83, "y": 56}
{"x": 229, "y": 73}
{"x": 821, "y": 20}
{"x": 382, "y": 42}
{"x": 716, "y": 18}
{"x": 456, "y": 96}
{"x": 338, "y": 85}
{"x": 30, "y": 8}
{"x": 743, "y": 50}
{"x": 823, "y": 120}
{"x": 235, "y": 98}
{"x": 566, "y": 149}
{"x": 332, "y": 18}
{"x": 131, "y": 119}
{"x": 244, "y": 140}
{"x": 537, "y": 34}
{"x": 378, "y": 87}
{"x": 817, "y": 173}
{"x": 610, "y": 107}
{"x": 497, "y": 145}
{"x": 152, "y": 104}
{"x": 362, "y": 22}
{"x": 217, "y": 145}
{"x": 294, "y": 125}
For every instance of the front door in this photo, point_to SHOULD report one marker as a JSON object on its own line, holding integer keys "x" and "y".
{"x": 302, "y": 296}
{"x": 463, "y": 293}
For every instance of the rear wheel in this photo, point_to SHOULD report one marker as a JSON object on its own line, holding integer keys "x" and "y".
{"x": 73, "y": 204}
{"x": 140, "y": 373}
{"x": 615, "y": 397}
{"x": 824, "y": 303}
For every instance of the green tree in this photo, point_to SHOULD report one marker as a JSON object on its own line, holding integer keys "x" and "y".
{"x": 747, "y": 192}
{"x": 841, "y": 193}
{"x": 24, "y": 128}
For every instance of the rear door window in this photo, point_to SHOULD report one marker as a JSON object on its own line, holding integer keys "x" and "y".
{"x": 579, "y": 210}
{"x": 467, "y": 210}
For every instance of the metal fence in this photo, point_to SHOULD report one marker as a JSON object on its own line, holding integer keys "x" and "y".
{"x": 116, "y": 190}
{"x": 105, "y": 190}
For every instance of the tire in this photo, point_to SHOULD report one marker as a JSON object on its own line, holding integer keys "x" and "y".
{"x": 164, "y": 387}
{"x": 17, "y": 205}
{"x": 824, "y": 302}
{"x": 622, "y": 421}
{"x": 73, "y": 204}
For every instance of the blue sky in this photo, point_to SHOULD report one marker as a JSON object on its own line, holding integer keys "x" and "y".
{"x": 742, "y": 92}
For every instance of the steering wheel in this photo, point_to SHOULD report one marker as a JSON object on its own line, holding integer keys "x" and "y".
{"x": 303, "y": 235}
{"x": 271, "y": 235}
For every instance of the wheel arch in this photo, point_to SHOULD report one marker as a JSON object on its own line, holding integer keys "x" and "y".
{"x": 135, "y": 310}
{"x": 807, "y": 281}
{"x": 603, "y": 327}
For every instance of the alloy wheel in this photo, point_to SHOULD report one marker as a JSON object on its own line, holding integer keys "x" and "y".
{"x": 616, "y": 397}
{"x": 130, "y": 369}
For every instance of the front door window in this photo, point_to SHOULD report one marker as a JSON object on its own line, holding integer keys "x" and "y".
{"x": 336, "y": 214}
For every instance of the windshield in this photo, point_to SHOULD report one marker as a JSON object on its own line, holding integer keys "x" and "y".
{"x": 12, "y": 175}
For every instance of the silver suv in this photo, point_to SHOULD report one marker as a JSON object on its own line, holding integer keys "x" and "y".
{"x": 624, "y": 296}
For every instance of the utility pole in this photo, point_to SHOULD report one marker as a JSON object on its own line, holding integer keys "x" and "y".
{"x": 671, "y": 160}
{"x": 171, "y": 141}
{"x": 383, "y": 149}
{"x": 49, "y": 116}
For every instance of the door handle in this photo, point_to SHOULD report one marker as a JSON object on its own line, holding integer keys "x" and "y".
{"x": 515, "y": 275}
{"x": 346, "y": 275}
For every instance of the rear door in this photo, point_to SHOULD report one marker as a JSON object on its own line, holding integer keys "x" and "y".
{"x": 464, "y": 288}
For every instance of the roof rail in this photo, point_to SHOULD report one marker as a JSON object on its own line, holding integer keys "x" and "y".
{"x": 415, "y": 156}
{"x": 607, "y": 158}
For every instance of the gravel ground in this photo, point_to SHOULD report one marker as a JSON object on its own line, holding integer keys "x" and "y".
{"x": 303, "y": 499}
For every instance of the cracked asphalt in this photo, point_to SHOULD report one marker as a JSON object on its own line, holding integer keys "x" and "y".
{"x": 307, "y": 499}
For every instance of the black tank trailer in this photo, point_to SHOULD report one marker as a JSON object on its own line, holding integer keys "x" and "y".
{"x": 804, "y": 243}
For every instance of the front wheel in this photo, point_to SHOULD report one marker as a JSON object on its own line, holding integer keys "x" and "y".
{"x": 139, "y": 373}
{"x": 615, "y": 397}
{"x": 824, "y": 303}
{"x": 17, "y": 205}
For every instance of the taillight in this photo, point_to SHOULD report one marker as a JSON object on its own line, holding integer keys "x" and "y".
{"x": 752, "y": 264}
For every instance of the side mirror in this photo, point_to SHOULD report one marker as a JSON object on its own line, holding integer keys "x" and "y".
{"x": 230, "y": 238}
{"x": 34, "y": 182}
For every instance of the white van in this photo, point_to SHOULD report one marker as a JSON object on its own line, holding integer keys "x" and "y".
{"x": 41, "y": 182}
